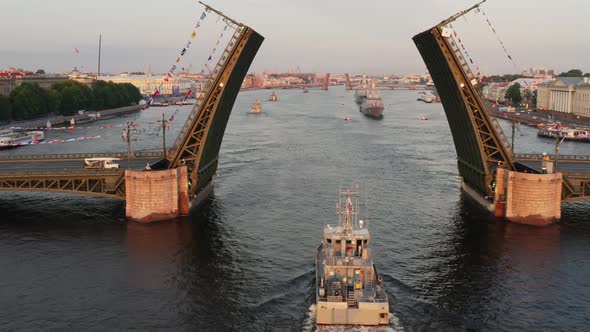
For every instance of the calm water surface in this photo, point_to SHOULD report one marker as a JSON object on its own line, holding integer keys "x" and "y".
{"x": 245, "y": 261}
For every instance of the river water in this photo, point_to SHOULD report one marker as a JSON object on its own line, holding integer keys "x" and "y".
{"x": 245, "y": 261}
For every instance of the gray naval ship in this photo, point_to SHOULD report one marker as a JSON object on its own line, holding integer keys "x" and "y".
{"x": 361, "y": 92}
{"x": 348, "y": 289}
{"x": 372, "y": 105}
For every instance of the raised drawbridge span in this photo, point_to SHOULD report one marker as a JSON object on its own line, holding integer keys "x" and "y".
{"x": 480, "y": 143}
{"x": 197, "y": 146}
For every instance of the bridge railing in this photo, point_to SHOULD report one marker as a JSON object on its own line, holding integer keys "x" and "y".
{"x": 207, "y": 86}
{"x": 70, "y": 173}
{"x": 470, "y": 76}
{"x": 61, "y": 156}
{"x": 562, "y": 157}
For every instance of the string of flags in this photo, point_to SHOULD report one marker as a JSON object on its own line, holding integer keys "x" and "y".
{"x": 498, "y": 37}
{"x": 465, "y": 52}
{"x": 172, "y": 72}
{"x": 206, "y": 65}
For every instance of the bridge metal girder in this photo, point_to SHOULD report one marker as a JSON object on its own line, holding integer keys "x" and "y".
{"x": 479, "y": 141}
{"x": 112, "y": 185}
{"x": 576, "y": 187}
{"x": 198, "y": 143}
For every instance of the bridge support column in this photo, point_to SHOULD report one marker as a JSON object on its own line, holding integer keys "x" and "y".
{"x": 526, "y": 198}
{"x": 156, "y": 195}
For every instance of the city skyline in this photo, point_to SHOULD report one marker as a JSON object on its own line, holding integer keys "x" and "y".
{"x": 316, "y": 37}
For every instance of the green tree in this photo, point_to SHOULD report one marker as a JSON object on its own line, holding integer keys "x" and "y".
{"x": 30, "y": 101}
{"x": 74, "y": 96}
{"x": 503, "y": 78}
{"x": 5, "y": 109}
{"x": 513, "y": 94}
{"x": 132, "y": 92}
{"x": 111, "y": 95}
{"x": 40, "y": 72}
{"x": 572, "y": 73}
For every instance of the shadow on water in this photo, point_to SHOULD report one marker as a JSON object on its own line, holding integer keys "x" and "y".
{"x": 487, "y": 274}
{"x": 206, "y": 278}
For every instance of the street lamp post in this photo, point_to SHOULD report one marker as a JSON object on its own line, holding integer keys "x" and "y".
{"x": 558, "y": 140}
{"x": 126, "y": 136}
{"x": 164, "y": 125}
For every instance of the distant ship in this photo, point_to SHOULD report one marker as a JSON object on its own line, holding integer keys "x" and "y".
{"x": 425, "y": 97}
{"x": 273, "y": 97}
{"x": 348, "y": 289}
{"x": 372, "y": 105}
{"x": 13, "y": 138}
{"x": 361, "y": 92}
{"x": 256, "y": 107}
{"x": 305, "y": 90}
{"x": 159, "y": 104}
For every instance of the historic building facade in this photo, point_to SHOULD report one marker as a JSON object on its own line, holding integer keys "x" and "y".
{"x": 566, "y": 95}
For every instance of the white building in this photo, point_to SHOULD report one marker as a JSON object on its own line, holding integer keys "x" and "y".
{"x": 565, "y": 94}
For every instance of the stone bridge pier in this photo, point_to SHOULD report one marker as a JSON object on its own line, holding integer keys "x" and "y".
{"x": 527, "y": 198}
{"x": 156, "y": 195}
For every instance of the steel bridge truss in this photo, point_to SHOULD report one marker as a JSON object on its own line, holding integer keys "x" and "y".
{"x": 481, "y": 144}
{"x": 197, "y": 145}
{"x": 104, "y": 184}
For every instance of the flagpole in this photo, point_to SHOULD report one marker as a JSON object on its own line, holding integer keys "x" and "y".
{"x": 99, "y": 49}
{"x": 220, "y": 14}
{"x": 461, "y": 13}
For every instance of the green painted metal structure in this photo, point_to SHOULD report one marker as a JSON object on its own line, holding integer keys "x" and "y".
{"x": 196, "y": 147}
{"x": 479, "y": 141}
{"x": 199, "y": 141}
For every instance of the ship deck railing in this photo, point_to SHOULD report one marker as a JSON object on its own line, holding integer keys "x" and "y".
{"x": 334, "y": 260}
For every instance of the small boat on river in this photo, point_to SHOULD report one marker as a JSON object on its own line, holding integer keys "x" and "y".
{"x": 256, "y": 107}
{"x": 273, "y": 97}
{"x": 568, "y": 134}
{"x": 12, "y": 138}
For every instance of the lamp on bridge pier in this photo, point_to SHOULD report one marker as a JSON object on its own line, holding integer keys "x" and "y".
{"x": 128, "y": 131}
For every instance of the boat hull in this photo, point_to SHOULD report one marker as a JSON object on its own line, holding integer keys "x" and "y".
{"x": 337, "y": 313}
{"x": 373, "y": 112}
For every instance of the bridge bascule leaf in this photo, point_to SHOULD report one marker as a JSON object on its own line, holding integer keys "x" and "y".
{"x": 479, "y": 141}
{"x": 197, "y": 146}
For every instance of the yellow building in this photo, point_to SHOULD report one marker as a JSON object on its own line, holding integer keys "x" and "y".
{"x": 147, "y": 85}
{"x": 566, "y": 95}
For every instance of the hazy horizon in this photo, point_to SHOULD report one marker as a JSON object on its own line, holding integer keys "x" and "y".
{"x": 328, "y": 36}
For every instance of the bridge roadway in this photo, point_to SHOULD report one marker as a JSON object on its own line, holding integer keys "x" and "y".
{"x": 66, "y": 173}
{"x": 72, "y": 161}
{"x": 566, "y": 163}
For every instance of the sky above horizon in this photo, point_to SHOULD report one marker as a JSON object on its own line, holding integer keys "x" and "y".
{"x": 370, "y": 37}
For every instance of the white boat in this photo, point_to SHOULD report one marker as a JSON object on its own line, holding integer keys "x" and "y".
{"x": 348, "y": 289}
{"x": 256, "y": 107}
{"x": 426, "y": 97}
{"x": 12, "y": 138}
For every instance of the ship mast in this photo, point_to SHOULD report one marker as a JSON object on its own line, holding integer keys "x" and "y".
{"x": 348, "y": 214}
